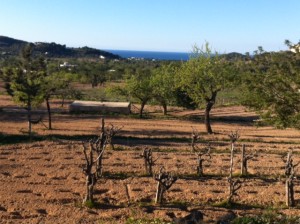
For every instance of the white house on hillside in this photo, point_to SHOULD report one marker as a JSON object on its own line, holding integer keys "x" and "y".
{"x": 67, "y": 64}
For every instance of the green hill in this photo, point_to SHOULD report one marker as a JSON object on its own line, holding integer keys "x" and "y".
{"x": 11, "y": 47}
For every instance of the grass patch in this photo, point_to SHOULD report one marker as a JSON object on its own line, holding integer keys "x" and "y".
{"x": 145, "y": 203}
{"x": 244, "y": 176}
{"x": 224, "y": 204}
{"x": 195, "y": 176}
{"x": 268, "y": 218}
{"x": 118, "y": 176}
{"x": 230, "y": 205}
{"x": 180, "y": 204}
{"x": 90, "y": 204}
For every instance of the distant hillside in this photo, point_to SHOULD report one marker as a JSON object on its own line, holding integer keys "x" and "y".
{"x": 234, "y": 56}
{"x": 11, "y": 47}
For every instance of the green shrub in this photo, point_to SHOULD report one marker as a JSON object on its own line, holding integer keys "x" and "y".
{"x": 89, "y": 204}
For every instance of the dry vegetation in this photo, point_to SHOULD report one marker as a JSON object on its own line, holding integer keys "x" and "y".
{"x": 42, "y": 181}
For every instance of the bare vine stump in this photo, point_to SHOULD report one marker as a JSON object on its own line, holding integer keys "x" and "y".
{"x": 244, "y": 161}
{"x": 165, "y": 181}
{"x": 99, "y": 146}
{"x": 148, "y": 161}
{"x": 290, "y": 176}
{"x": 289, "y": 191}
{"x": 234, "y": 185}
{"x": 194, "y": 138}
{"x": 128, "y": 192}
{"x": 234, "y": 136}
{"x": 201, "y": 157}
{"x": 93, "y": 173}
{"x": 244, "y": 169}
{"x": 91, "y": 177}
{"x": 111, "y": 133}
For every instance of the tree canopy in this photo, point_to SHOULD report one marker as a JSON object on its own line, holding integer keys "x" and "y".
{"x": 272, "y": 87}
{"x": 138, "y": 86}
{"x": 203, "y": 77}
{"x": 163, "y": 85}
{"x": 24, "y": 83}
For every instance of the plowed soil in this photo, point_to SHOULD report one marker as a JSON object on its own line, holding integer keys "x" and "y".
{"x": 42, "y": 180}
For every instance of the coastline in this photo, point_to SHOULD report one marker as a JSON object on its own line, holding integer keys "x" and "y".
{"x": 152, "y": 55}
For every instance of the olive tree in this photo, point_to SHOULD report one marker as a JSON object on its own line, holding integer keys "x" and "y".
{"x": 137, "y": 87}
{"x": 163, "y": 84}
{"x": 93, "y": 73}
{"x": 202, "y": 77}
{"x": 53, "y": 85}
{"x": 271, "y": 84}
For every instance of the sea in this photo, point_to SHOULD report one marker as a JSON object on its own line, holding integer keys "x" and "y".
{"x": 152, "y": 55}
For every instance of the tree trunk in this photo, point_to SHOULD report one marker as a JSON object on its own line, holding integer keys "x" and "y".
{"x": 29, "y": 117}
{"x": 158, "y": 193}
{"x": 146, "y": 166}
{"x": 287, "y": 193}
{"x": 161, "y": 195}
{"x": 243, "y": 162}
{"x": 89, "y": 189}
{"x": 231, "y": 160}
{"x": 150, "y": 170}
{"x": 289, "y": 190}
{"x": 142, "y": 109}
{"x": 229, "y": 199}
{"x": 99, "y": 167}
{"x": 209, "y": 104}
{"x": 200, "y": 168}
{"x": 207, "y": 118}
{"x": 165, "y": 108}
{"x": 63, "y": 101}
{"x": 49, "y": 114}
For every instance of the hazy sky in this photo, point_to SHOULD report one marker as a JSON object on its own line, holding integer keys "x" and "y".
{"x": 157, "y": 25}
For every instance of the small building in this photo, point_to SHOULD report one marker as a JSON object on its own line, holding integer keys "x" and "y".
{"x": 101, "y": 107}
{"x": 67, "y": 65}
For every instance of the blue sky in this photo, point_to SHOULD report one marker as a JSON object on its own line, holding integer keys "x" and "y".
{"x": 155, "y": 25}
